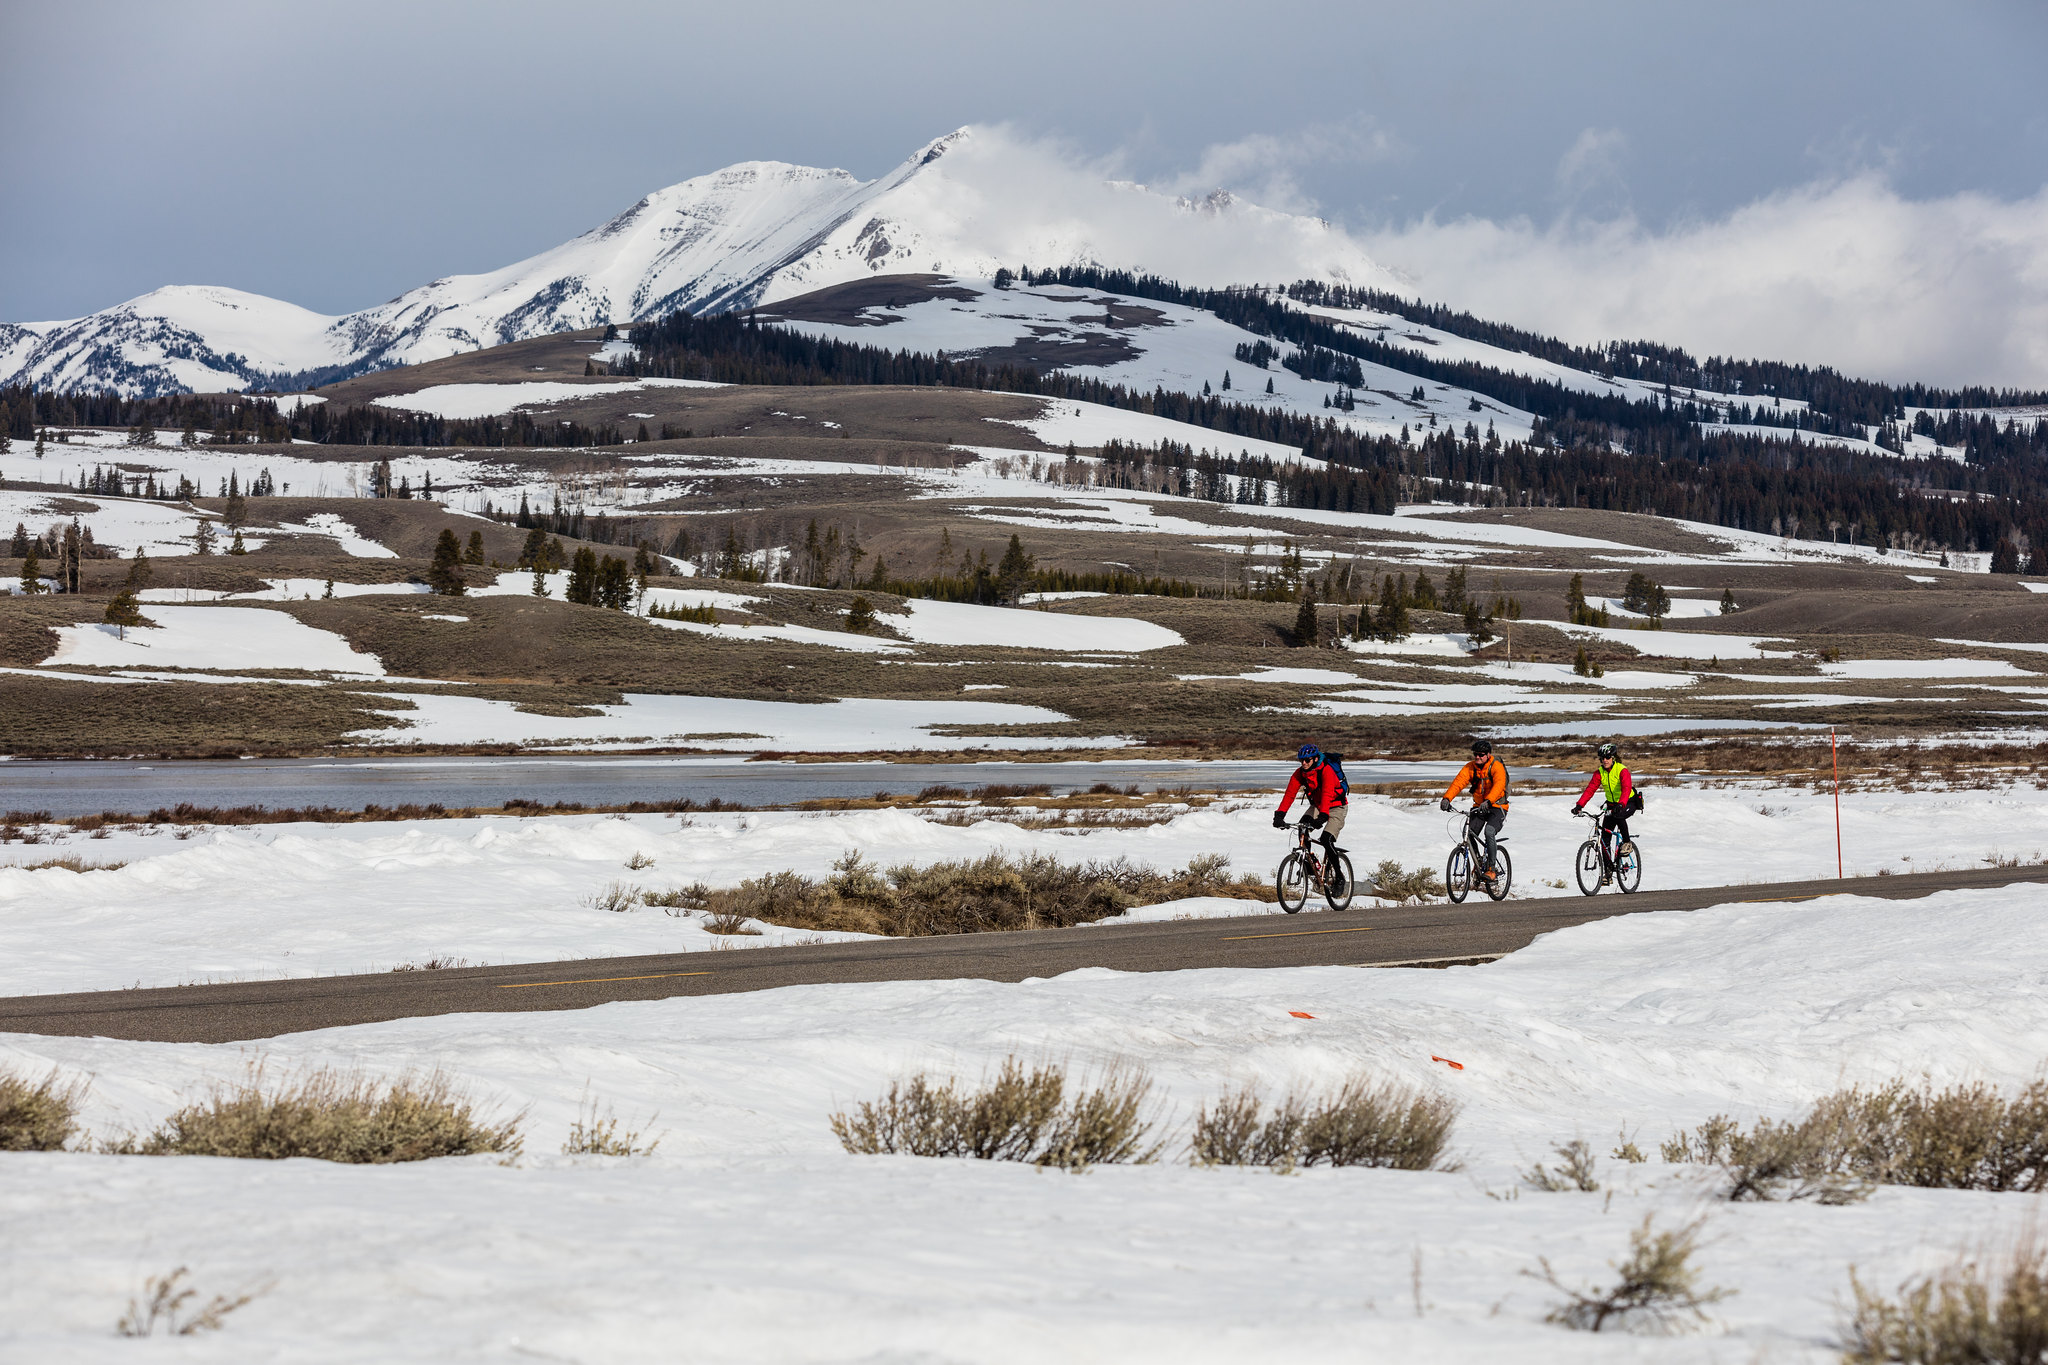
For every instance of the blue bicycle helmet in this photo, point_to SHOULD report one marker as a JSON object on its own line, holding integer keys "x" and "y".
{"x": 1307, "y": 754}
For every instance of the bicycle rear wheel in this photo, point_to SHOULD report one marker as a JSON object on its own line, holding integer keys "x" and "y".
{"x": 1504, "y": 870}
{"x": 1337, "y": 884}
{"x": 1292, "y": 882}
{"x": 1589, "y": 867}
{"x": 1458, "y": 875}
{"x": 1628, "y": 868}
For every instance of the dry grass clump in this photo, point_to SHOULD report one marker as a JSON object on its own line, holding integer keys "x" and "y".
{"x": 1391, "y": 881}
{"x": 1964, "y": 1138}
{"x": 1575, "y": 1170}
{"x": 1658, "y": 1290}
{"x": 978, "y": 895}
{"x": 1361, "y": 1123}
{"x": 165, "y": 1307}
{"x": 1965, "y": 1315}
{"x": 330, "y": 1116}
{"x": 615, "y": 898}
{"x": 37, "y": 1116}
{"x": 1024, "y": 1114}
{"x": 591, "y": 1135}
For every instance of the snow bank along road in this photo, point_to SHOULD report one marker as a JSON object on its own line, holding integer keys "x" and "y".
{"x": 1401, "y": 936}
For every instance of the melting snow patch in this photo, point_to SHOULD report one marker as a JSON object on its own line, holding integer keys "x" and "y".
{"x": 456, "y": 401}
{"x": 352, "y": 541}
{"x": 214, "y": 638}
{"x": 960, "y": 623}
{"x": 727, "y": 724}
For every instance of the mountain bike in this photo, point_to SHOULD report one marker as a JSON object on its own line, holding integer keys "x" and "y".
{"x": 1607, "y": 857}
{"x": 1304, "y": 869}
{"x": 1468, "y": 853}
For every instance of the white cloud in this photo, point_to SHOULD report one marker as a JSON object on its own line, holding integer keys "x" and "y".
{"x": 1844, "y": 273}
{"x": 1267, "y": 169}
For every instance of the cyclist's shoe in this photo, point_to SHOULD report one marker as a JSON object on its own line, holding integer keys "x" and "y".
{"x": 1607, "y": 879}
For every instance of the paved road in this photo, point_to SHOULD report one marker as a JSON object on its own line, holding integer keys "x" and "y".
{"x": 1363, "y": 937}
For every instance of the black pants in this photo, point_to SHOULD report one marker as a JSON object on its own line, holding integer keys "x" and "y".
{"x": 1488, "y": 821}
{"x": 1617, "y": 813}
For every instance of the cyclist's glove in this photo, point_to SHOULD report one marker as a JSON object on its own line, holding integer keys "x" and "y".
{"x": 1445, "y": 803}
{"x": 1579, "y": 809}
{"x": 1316, "y": 821}
{"x": 1279, "y": 819}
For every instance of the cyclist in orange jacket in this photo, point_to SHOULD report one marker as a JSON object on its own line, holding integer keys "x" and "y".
{"x": 1487, "y": 776}
{"x": 1318, "y": 785}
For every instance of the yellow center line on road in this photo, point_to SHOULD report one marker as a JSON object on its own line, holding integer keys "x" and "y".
{"x": 1299, "y": 933}
{"x": 593, "y": 980}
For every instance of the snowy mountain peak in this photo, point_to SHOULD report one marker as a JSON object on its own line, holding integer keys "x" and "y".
{"x": 963, "y": 204}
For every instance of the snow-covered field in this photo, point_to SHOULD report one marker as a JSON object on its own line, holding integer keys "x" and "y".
{"x": 750, "y": 1236}
{"x": 293, "y": 900}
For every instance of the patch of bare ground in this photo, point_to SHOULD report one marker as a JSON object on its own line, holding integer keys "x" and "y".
{"x": 57, "y": 718}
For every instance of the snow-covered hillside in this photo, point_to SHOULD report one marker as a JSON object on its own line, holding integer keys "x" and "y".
{"x": 761, "y": 230}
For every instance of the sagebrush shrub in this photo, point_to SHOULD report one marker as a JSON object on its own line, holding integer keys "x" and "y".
{"x": 330, "y": 1116}
{"x": 991, "y": 893}
{"x": 1967, "y": 1137}
{"x": 37, "y": 1116}
{"x": 1023, "y": 1114}
{"x": 1966, "y": 1314}
{"x": 1658, "y": 1288}
{"x": 1391, "y": 881}
{"x": 1361, "y": 1123}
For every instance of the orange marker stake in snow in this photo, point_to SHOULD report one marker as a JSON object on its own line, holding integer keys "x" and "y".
{"x": 1299, "y": 1015}
{"x": 1455, "y": 1066}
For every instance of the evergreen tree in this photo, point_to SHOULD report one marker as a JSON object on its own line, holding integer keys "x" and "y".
{"x": 540, "y": 578}
{"x": 1636, "y": 596}
{"x": 31, "y": 571}
{"x": 534, "y": 550}
{"x": 1581, "y": 665}
{"x": 1478, "y": 624}
{"x": 238, "y": 548}
{"x": 1306, "y": 630}
{"x": 643, "y": 561}
{"x": 327, "y": 593}
{"x": 237, "y": 513}
{"x": 614, "y": 584}
{"x": 1423, "y": 594}
{"x": 1575, "y": 609}
{"x": 1269, "y": 384}
{"x": 445, "y": 577}
{"x": 19, "y": 548}
{"x": 1013, "y": 575}
{"x": 582, "y": 587}
{"x": 2005, "y": 557}
{"x": 1392, "y": 623}
{"x": 202, "y": 538}
{"x": 475, "y": 553}
{"x": 1454, "y": 589}
{"x": 1728, "y": 599}
{"x": 123, "y": 611}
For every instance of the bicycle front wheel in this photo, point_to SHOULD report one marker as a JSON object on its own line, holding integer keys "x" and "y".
{"x": 1337, "y": 884}
{"x": 1589, "y": 867}
{"x": 1458, "y": 875}
{"x": 1628, "y": 868}
{"x": 1292, "y": 882}
{"x": 1504, "y": 875}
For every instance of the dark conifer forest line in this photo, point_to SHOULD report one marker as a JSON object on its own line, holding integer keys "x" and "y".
{"x": 1669, "y": 455}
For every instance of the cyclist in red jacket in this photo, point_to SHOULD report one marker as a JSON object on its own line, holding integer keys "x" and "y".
{"x": 1319, "y": 786}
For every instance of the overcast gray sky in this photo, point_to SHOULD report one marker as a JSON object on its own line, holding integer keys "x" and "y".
{"x": 336, "y": 155}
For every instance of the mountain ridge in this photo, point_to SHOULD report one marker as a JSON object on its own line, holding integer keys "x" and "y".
{"x": 753, "y": 232}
